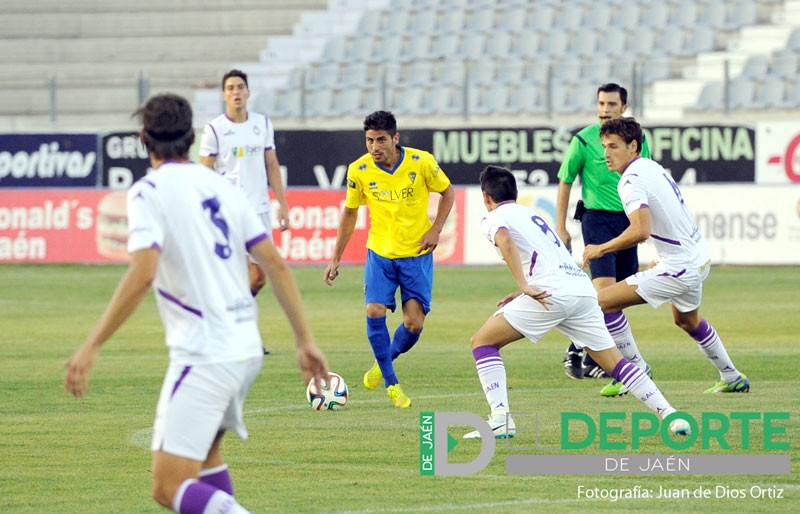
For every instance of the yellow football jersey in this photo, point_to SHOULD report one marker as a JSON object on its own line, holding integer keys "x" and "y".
{"x": 397, "y": 199}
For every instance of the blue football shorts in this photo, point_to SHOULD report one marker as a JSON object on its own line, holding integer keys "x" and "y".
{"x": 413, "y": 275}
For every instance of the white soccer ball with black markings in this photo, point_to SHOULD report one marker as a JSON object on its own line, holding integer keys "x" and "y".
{"x": 333, "y": 395}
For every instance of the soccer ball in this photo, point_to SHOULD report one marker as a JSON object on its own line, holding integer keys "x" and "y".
{"x": 333, "y": 395}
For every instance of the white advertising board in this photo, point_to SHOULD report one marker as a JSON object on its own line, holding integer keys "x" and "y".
{"x": 743, "y": 223}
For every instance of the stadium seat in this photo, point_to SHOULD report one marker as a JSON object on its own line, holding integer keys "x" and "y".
{"x": 540, "y": 19}
{"x": 481, "y": 71}
{"x": 713, "y": 14}
{"x": 323, "y": 76}
{"x": 452, "y": 22}
{"x": 406, "y": 99}
{"x": 555, "y": 43}
{"x": 741, "y": 13}
{"x": 755, "y": 67}
{"x": 335, "y": 49}
{"x": 347, "y": 102}
{"x": 369, "y": 24}
{"x": 770, "y": 94}
{"x": 741, "y": 92}
{"x": 511, "y": 20}
{"x": 698, "y": 39}
{"x": 423, "y": 23}
{"x": 657, "y": 68}
{"x": 601, "y": 19}
{"x": 670, "y": 42}
{"x": 498, "y": 45}
{"x": 584, "y": 43}
{"x": 537, "y": 72}
{"x": 493, "y": 100}
{"x": 683, "y": 14}
{"x": 444, "y": 46}
{"x": 357, "y": 74}
{"x": 509, "y": 71}
{"x": 480, "y": 20}
{"x": 793, "y": 43}
{"x": 451, "y": 73}
{"x": 627, "y": 17}
{"x": 568, "y": 17}
{"x": 641, "y": 42}
{"x": 442, "y": 100}
{"x": 654, "y": 15}
{"x": 526, "y": 99}
{"x": 711, "y": 97}
{"x": 470, "y": 46}
{"x": 415, "y": 49}
{"x": 419, "y": 73}
{"x": 784, "y": 65}
{"x": 792, "y": 99}
{"x": 526, "y": 45}
{"x": 567, "y": 70}
{"x": 319, "y": 102}
{"x": 596, "y": 70}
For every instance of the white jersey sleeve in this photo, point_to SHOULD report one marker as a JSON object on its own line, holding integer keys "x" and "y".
{"x": 144, "y": 227}
{"x": 209, "y": 142}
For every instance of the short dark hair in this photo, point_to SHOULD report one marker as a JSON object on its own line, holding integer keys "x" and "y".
{"x": 613, "y": 87}
{"x": 381, "y": 120}
{"x": 167, "y": 130}
{"x": 235, "y": 73}
{"x": 626, "y": 128}
{"x": 499, "y": 183}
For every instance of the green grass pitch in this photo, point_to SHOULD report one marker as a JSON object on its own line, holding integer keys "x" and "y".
{"x": 61, "y": 455}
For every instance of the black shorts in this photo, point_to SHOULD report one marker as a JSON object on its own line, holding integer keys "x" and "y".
{"x": 599, "y": 227}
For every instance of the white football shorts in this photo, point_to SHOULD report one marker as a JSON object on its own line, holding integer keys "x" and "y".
{"x": 265, "y": 218}
{"x": 659, "y": 284}
{"x": 197, "y": 402}
{"x": 577, "y": 317}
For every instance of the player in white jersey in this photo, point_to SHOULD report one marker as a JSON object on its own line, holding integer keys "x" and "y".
{"x": 657, "y": 210}
{"x": 190, "y": 231}
{"x": 241, "y": 145}
{"x": 553, "y": 293}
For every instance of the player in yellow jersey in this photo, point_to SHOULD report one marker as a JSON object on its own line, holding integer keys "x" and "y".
{"x": 394, "y": 182}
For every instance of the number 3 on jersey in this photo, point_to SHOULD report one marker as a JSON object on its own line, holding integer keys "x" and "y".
{"x": 222, "y": 250}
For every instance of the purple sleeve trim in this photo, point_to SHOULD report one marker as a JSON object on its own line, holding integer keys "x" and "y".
{"x": 174, "y": 300}
{"x": 256, "y": 240}
{"x": 215, "y": 134}
{"x": 156, "y": 246}
{"x": 180, "y": 379}
{"x": 665, "y": 240}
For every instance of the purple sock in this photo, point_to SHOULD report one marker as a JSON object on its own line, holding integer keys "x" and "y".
{"x": 218, "y": 477}
{"x": 195, "y": 497}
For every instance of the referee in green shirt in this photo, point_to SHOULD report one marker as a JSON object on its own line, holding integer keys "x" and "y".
{"x": 602, "y": 219}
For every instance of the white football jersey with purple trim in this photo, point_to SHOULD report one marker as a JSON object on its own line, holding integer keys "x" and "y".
{"x": 673, "y": 230}
{"x": 202, "y": 226}
{"x": 545, "y": 260}
{"x": 239, "y": 150}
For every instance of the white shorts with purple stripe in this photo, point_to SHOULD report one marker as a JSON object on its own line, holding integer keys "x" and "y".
{"x": 266, "y": 220}
{"x": 577, "y": 317}
{"x": 198, "y": 401}
{"x": 683, "y": 288}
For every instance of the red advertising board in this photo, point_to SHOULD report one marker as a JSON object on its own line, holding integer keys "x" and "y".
{"x": 55, "y": 225}
{"x": 90, "y": 225}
